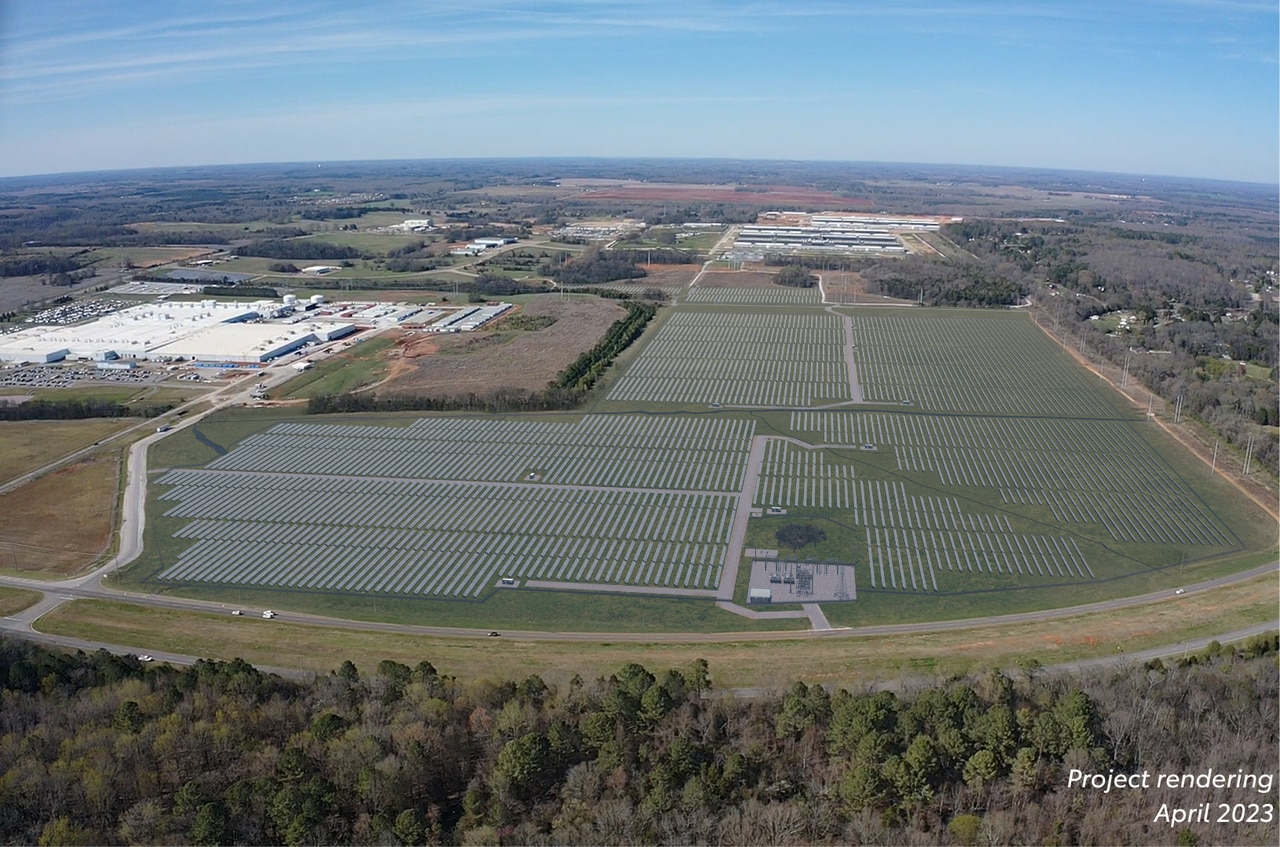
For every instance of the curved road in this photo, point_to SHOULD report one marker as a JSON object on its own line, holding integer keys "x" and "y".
{"x": 133, "y": 517}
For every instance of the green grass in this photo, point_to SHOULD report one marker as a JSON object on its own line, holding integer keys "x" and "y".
{"x": 28, "y": 445}
{"x": 773, "y": 663}
{"x": 1259, "y": 372}
{"x": 14, "y": 600}
{"x": 360, "y": 365}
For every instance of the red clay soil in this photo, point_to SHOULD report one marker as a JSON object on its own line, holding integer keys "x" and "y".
{"x": 737, "y": 279}
{"x": 773, "y": 195}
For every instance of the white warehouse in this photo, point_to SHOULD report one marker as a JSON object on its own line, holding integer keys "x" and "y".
{"x": 207, "y": 330}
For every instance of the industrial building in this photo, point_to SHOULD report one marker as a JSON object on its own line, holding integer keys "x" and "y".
{"x": 801, "y": 233}
{"x": 468, "y": 319}
{"x": 207, "y": 330}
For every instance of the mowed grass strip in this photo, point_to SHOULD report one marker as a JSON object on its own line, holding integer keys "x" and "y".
{"x": 28, "y": 445}
{"x": 361, "y": 365}
{"x": 14, "y": 600}
{"x": 56, "y": 525}
{"x": 761, "y": 664}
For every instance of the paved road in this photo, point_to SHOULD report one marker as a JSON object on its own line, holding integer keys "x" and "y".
{"x": 133, "y": 523}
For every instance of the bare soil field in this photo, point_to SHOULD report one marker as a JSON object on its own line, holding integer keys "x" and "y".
{"x": 61, "y": 522}
{"x": 737, "y": 279}
{"x": 668, "y": 276}
{"x": 486, "y": 360}
{"x": 773, "y": 195}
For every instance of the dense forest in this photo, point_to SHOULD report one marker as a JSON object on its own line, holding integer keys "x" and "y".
{"x": 595, "y": 266}
{"x": 100, "y": 749}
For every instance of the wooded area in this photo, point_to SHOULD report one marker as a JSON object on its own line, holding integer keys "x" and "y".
{"x": 1189, "y": 298}
{"x": 99, "y": 749}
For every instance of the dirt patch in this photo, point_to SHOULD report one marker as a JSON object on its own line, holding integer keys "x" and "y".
{"x": 668, "y": 276}
{"x": 850, "y": 288}
{"x": 62, "y": 521}
{"x": 737, "y": 279}
{"x": 434, "y": 365}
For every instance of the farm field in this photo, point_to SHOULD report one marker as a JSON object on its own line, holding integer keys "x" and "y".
{"x": 27, "y": 445}
{"x": 669, "y": 276}
{"x": 57, "y": 524}
{"x": 1008, "y": 480}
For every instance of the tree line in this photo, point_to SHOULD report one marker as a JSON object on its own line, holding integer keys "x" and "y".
{"x": 565, "y": 392}
{"x": 594, "y": 267}
{"x": 1190, "y": 294}
{"x": 74, "y": 409}
{"x": 101, "y": 749}
{"x": 298, "y": 248}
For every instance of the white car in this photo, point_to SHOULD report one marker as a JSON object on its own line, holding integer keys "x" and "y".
{"x": 1181, "y": 591}
{"x": 268, "y": 614}
{"x": 237, "y": 613}
{"x": 145, "y": 658}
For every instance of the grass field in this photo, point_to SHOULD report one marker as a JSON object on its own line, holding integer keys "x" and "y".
{"x": 357, "y": 367}
{"x": 14, "y": 600}
{"x": 757, "y": 664}
{"x": 144, "y": 257}
{"x": 56, "y": 525}
{"x": 27, "y": 445}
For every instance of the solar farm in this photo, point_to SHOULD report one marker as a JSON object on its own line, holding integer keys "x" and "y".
{"x": 773, "y": 296}
{"x": 945, "y": 453}
{"x": 741, "y": 358}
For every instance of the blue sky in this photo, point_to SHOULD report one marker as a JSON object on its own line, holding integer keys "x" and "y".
{"x": 1176, "y": 87}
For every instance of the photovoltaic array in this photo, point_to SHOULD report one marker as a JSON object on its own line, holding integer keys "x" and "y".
{"x": 740, "y": 358}
{"x": 446, "y": 506}
{"x": 772, "y": 296}
{"x": 1085, "y": 471}
{"x": 990, "y": 364}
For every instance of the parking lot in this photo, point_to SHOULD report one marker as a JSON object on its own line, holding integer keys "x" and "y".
{"x": 55, "y": 376}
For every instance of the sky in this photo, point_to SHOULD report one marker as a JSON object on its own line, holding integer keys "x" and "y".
{"x": 1162, "y": 87}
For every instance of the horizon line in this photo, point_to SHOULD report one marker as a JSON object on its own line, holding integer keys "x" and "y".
{"x": 319, "y": 163}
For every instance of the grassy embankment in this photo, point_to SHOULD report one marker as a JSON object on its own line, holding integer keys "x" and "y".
{"x": 847, "y": 661}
